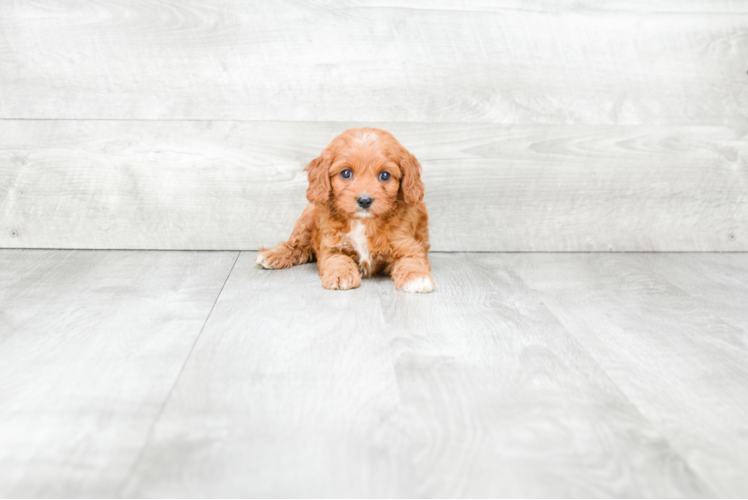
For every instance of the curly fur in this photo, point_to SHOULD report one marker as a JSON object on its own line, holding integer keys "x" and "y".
{"x": 348, "y": 242}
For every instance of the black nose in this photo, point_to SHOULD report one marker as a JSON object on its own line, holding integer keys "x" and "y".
{"x": 364, "y": 201}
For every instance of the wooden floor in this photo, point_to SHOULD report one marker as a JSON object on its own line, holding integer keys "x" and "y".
{"x": 136, "y": 373}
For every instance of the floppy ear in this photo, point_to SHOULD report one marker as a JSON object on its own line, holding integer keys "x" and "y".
{"x": 411, "y": 185}
{"x": 318, "y": 172}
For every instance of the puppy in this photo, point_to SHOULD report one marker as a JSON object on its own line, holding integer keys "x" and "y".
{"x": 366, "y": 216}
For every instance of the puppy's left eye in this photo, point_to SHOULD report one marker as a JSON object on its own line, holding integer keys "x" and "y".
{"x": 384, "y": 176}
{"x": 346, "y": 174}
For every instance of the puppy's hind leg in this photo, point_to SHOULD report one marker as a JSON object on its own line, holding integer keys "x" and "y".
{"x": 297, "y": 250}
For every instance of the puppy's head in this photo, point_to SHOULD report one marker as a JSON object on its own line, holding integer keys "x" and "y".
{"x": 364, "y": 173}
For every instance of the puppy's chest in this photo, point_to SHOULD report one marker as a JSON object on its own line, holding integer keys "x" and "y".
{"x": 359, "y": 245}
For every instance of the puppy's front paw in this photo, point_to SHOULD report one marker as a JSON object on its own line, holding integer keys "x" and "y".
{"x": 341, "y": 279}
{"x": 263, "y": 261}
{"x": 280, "y": 257}
{"x": 419, "y": 284}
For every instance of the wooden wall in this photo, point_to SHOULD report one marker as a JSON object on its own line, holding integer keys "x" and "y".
{"x": 541, "y": 125}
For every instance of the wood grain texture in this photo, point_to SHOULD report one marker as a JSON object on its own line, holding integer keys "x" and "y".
{"x": 90, "y": 345}
{"x": 503, "y": 402}
{"x": 290, "y": 392}
{"x": 672, "y": 332}
{"x": 240, "y": 185}
{"x": 626, "y": 62}
{"x": 474, "y": 390}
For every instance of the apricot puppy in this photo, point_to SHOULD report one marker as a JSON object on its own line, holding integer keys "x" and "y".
{"x": 366, "y": 216}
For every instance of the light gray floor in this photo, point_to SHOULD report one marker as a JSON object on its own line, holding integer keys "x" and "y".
{"x": 127, "y": 373}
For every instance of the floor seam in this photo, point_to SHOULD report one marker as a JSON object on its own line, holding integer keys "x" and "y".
{"x": 128, "y": 477}
{"x": 594, "y": 360}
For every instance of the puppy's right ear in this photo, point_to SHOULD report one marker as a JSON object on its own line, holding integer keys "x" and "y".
{"x": 318, "y": 172}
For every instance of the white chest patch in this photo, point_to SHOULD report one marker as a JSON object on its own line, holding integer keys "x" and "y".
{"x": 357, "y": 237}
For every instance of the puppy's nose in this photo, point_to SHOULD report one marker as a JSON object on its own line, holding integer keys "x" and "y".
{"x": 364, "y": 201}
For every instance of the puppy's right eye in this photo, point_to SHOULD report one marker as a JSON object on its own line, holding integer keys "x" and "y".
{"x": 346, "y": 174}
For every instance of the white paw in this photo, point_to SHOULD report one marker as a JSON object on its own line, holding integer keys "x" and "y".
{"x": 260, "y": 259}
{"x": 419, "y": 285}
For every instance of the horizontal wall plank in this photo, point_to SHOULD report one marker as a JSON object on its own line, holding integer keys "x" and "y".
{"x": 627, "y": 62}
{"x": 239, "y": 185}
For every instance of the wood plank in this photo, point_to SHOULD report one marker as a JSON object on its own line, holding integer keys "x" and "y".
{"x": 672, "y": 332}
{"x": 289, "y": 392}
{"x": 628, "y": 62}
{"x": 239, "y": 185}
{"x": 503, "y": 402}
{"x": 90, "y": 345}
{"x": 474, "y": 390}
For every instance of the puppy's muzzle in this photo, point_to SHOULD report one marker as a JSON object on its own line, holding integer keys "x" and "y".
{"x": 364, "y": 202}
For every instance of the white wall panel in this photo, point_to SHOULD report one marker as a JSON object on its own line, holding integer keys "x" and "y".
{"x": 631, "y": 62}
{"x": 542, "y": 125}
{"x": 239, "y": 185}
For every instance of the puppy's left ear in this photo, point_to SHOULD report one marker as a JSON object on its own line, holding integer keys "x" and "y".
{"x": 318, "y": 173}
{"x": 411, "y": 184}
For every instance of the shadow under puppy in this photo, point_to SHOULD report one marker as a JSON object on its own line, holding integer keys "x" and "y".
{"x": 366, "y": 216}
